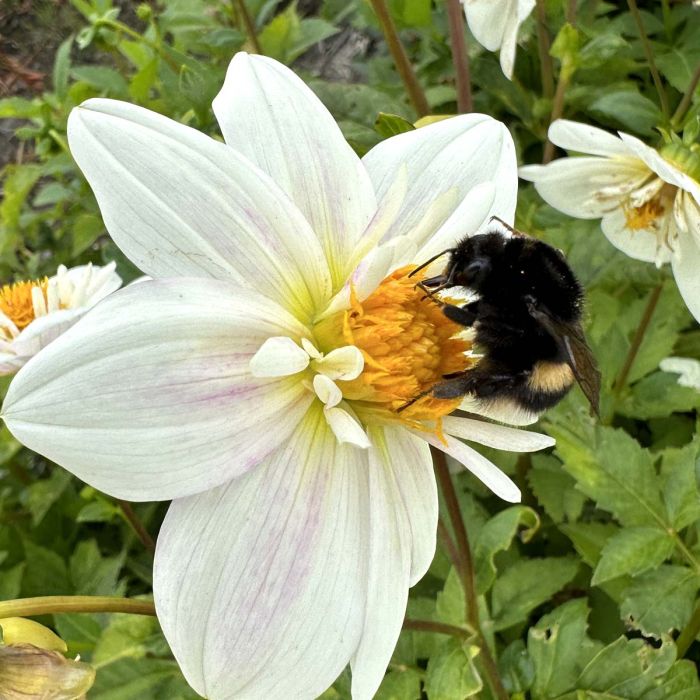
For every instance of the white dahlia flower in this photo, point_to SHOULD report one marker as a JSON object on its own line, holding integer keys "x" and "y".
{"x": 495, "y": 24}
{"x": 35, "y": 312}
{"x": 648, "y": 200}
{"x": 255, "y": 379}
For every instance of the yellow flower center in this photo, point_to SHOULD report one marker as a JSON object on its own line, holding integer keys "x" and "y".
{"x": 644, "y": 217}
{"x": 408, "y": 345}
{"x": 16, "y": 301}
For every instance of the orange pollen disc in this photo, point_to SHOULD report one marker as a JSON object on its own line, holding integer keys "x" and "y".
{"x": 644, "y": 217}
{"x": 408, "y": 345}
{"x": 16, "y": 301}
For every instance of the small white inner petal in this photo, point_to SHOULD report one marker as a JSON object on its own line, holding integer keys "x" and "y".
{"x": 346, "y": 428}
{"x": 327, "y": 391}
{"x": 642, "y": 195}
{"x": 279, "y": 357}
{"x": 38, "y": 302}
{"x": 311, "y": 349}
{"x": 344, "y": 363}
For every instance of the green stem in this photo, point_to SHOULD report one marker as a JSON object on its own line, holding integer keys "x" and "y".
{"x": 52, "y": 604}
{"x": 650, "y": 57}
{"x": 543, "y": 46}
{"x": 125, "y": 29}
{"x": 137, "y": 526}
{"x": 460, "y": 56}
{"x": 465, "y": 567}
{"x": 437, "y": 627}
{"x": 557, "y": 111}
{"x": 403, "y": 65}
{"x": 688, "y": 633}
{"x": 248, "y": 25}
{"x": 637, "y": 340}
{"x": 687, "y": 98}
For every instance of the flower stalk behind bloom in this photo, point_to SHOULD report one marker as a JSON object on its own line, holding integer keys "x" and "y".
{"x": 648, "y": 200}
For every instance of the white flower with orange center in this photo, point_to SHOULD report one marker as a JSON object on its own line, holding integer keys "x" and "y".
{"x": 495, "y": 25}
{"x": 648, "y": 200}
{"x": 36, "y": 312}
{"x": 255, "y": 379}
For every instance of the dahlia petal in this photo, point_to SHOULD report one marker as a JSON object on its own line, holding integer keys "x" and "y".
{"x": 279, "y": 357}
{"x": 179, "y": 203}
{"x": 346, "y": 427}
{"x": 260, "y": 584}
{"x": 458, "y": 154}
{"x": 388, "y": 576}
{"x": 500, "y": 437}
{"x": 586, "y": 188}
{"x": 686, "y": 263}
{"x": 478, "y": 465}
{"x": 150, "y": 396}
{"x": 486, "y": 20}
{"x": 327, "y": 391}
{"x": 409, "y": 458}
{"x": 640, "y": 244}
{"x": 584, "y": 138}
{"x": 271, "y": 116}
{"x": 686, "y": 367}
{"x": 344, "y": 363}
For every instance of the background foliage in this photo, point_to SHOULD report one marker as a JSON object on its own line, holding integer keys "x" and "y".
{"x": 583, "y": 589}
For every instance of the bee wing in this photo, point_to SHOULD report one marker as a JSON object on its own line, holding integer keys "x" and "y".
{"x": 572, "y": 341}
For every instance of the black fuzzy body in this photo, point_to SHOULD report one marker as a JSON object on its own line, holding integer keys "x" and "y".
{"x": 519, "y": 280}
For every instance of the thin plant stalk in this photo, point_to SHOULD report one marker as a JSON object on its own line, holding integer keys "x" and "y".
{"x": 650, "y": 57}
{"x": 53, "y": 604}
{"x": 248, "y": 24}
{"x": 557, "y": 111}
{"x": 543, "y": 47}
{"x": 465, "y": 568}
{"x": 687, "y": 98}
{"x": 460, "y": 56}
{"x": 137, "y": 526}
{"x": 638, "y": 338}
{"x": 403, "y": 65}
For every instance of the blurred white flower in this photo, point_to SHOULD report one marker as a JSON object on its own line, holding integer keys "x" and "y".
{"x": 686, "y": 367}
{"x": 255, "y": 379}
{"x": 648, "y": 200}
{"x": 495, "y": 24}
{"x": 34, "y": 313}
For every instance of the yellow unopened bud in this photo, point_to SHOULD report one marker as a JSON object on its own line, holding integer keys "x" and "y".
{"x": 27, "y": 672}
{"x": 432, "y": 119}
{"x": 18, "y": 630}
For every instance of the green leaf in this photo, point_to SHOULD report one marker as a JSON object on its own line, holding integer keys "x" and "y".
{"x": 451, "y": 674}
{"x": 632, "y": 551}
{"x": 660, "y": 601}
{"x": 387, "y": 125}
{"x": 497, "y": 536}
{"x": 86, "y": 229}
{"x": 658, "y": 395}
{"x": 11, "y": 581}
{"x": 589, "y": 539}
{"x": 680, "y": 683}
{"x": 554, "y": 489}
{"x": 628, "y": 110}
{"x": 42, "y": 494}
{"x": 522, "y": 587}
{"x": 560, "y": 648}
{"x": 125, "y": 636}
{"x": 678, "y": 65}
{"x": 18, "y": 183}
{"x": 515, "y": 667}
{"x": 400, "y": 685}
{"x": 46, "y": 573}
{"x": 106, "y": 80}
{"x": 93, "y": 574}
{"x": 61, "y": 68}
{"x": 680, "y": 492}
{"x": 627, "y": 668}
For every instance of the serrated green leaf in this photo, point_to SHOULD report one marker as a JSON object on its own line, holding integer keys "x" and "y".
{"x": 680, "y": 683}
{"x": 125, "y": 636}
{"x": 93, "y": 574}
{"x": 522, "y": 587}
{"x": 658, "y": 395}
{"x": 680, "y": 492}
{"x": 387, "y": 125}
{"x": 451, "y": 674}
{"x": 515, "y": 667}
{"x": 660, "y": 601}
{"x": 46, "y": 572}
{"x": 400, "y": 685}
{"x": 631, "y": 551}
{"x": 560, "y": 648}
{"x": 628, "y": 110}
{"x": 42, "y": 494}
{"x": 589, "y": 539}
{"x": 554, "y": 489}
{"x": 497, "y": 536}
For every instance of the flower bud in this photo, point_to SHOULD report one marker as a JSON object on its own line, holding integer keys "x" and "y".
{"x": 685, "y": 158}
{"x": 18, "y": 630}
{"x": 28, "y": 672}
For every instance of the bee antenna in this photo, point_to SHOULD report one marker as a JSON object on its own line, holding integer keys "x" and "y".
{"x": 514, "y": 231}
{"x": 435, "y": 257}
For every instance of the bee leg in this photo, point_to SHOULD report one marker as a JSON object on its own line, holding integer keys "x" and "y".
{"x": 464, "y": 315}
{"x": 482, "y": 384}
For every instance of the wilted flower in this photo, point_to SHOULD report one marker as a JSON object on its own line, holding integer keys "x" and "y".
{"x": 495, "y": 24}
{"x": 686, "y": 367}
{"x": 648, "y": 200}
{"x": 34, "y": 313}
{"x": 255, "y": 379}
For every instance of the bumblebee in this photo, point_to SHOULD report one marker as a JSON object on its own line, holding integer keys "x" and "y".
{"x": 527, "y": 323}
